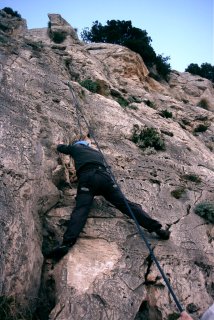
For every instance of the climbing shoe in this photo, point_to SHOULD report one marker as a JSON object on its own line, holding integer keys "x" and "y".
{"x": 57, "y": 253}
{"x": 163, "y": 234}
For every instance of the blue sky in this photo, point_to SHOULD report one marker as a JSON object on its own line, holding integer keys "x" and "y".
{"x": 181, "y": 29}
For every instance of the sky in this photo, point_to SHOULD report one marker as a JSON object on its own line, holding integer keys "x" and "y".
{"x": 180, "y": 29}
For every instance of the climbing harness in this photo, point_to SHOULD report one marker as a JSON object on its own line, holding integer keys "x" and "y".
{"x": 79, "y": 112}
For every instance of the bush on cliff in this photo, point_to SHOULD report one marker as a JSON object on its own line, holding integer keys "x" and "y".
{"x": 205, "y": 210}
{"x": 11, "y": 12}
{"x": 90, "y": 85}
{"x": 147, "y": 138}
{"x": 206, "y": 70}
{"x": 123, "y": 33}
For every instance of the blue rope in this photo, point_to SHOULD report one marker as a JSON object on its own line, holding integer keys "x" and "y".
{"x": 178, "y": 304}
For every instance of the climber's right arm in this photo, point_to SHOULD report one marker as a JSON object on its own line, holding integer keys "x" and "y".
{"x": 65, "y": 148}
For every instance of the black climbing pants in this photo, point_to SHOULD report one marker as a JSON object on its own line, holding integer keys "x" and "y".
{"x": 98, "y": 182}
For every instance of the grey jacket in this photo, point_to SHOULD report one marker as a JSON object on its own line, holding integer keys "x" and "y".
{"x": 209, "y": 314}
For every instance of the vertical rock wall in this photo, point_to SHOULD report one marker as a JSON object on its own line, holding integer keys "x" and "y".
{"x": 108, "y": 274}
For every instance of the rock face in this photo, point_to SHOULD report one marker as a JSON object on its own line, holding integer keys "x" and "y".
{"x": 109, "y": 273}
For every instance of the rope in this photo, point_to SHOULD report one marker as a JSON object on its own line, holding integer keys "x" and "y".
{"x": 77, "y": 108}
{"x": 178, "y": 304}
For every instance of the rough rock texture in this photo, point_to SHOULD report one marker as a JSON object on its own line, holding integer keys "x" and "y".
{"x": 108, "y": 274}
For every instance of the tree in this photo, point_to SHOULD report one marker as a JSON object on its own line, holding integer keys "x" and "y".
{"x": 162, "y": 65}
{"x": 193, "y": 68}
{"x": 116, "y": 31}
{"x": 11, "y": 12}
{"x": 123, "y": 33}
{"x": 206, "y": 70}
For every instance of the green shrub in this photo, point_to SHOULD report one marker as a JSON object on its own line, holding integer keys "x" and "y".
{"x": 201, "y": 117}
{"x": 165, "y": 113}
{"x": 3, "y": 39}
{"x": 201, "y": 128}
{"x": 123, "y": 102}
{"x": 205, "y": 210}
{"x": 5, "y": 307}
{"x": 168, "y": 133}
{"x": 10, "y": 309}
{"x": 115, "y": 93}
{"x": 11, "y": 12}
{"x": 148, "y": 137}
{"x": 134, "y": 99}
{"x": 192, "y": 177}
{"x": 173, "y": 316}
{"x": 206, "y": 70}
{"x": 57, "y": 36}
{"x": 177, "y": 193}
{"x": 3, "y": 27}
{"x": 90, "y": 85}
{"x": 149, "y": 103}
{"x": 186, "y": 122}
{"x": 185, "y": 101}
{"x": 162, "y": 65}
{"x": 35, "y": 45}
{"x": 133, "y": 107}
{"x": 192, "y": 307}
{"x": 204, "y": 104}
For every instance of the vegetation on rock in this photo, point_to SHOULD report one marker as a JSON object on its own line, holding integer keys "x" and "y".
{"x": 173, "y": 316}
{"x": 10, "y": 309}
{"x": 147, "y": 137}
{"x": 165, "y": 114}
{"x": 123, "y": 33}
{"x": 206, "y": 70}
{"x": 205, "y": 210}
{"x": 177, "y": 193}
{"x": 204, "y": 104}
{"x": 90, "y": 85}
{"x": 201, "y": 128}
{"x": 11, "y": 12}
{"x": 57, "y": 36}
{"x": 192, "y": 177}
{"x": 135, "y": 99}
{"x": 149, "y": 103}
{"x": 123, "y": 102}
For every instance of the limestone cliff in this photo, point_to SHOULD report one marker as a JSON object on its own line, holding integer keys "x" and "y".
{"x": 108, "y": 274}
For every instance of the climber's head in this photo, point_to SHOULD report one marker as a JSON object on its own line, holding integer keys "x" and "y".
{"x": 85, "y": 143}
{"x": 84, "y": 140}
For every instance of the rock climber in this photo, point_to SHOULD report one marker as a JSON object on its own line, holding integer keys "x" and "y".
{"x": 94, "y": 179}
